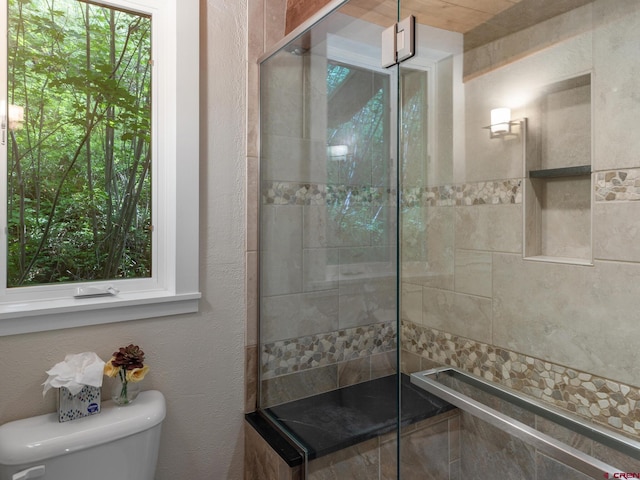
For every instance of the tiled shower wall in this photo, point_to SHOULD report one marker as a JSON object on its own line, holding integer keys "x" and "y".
{"x": 266, "y": 24}
{"x": 328, "y": 290}
{"x": 562, "y": 332}
{"x": 328, "y": 254}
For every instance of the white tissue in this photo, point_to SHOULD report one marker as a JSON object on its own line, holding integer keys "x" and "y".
{"x": 76, "y": 371}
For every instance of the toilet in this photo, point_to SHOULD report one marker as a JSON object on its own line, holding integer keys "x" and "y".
{"x": 118, "y": 443}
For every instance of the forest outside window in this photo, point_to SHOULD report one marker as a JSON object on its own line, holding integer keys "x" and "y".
{"x": 79, "y": 143}
{"x": 91, "y": 184}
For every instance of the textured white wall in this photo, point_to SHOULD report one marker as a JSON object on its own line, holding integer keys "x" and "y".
{"x": 196, "y": 360}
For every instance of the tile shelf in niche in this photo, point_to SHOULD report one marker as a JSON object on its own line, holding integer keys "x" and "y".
{"x": 576, "y": 171}
{"x": 558, "y": 188}
{"x": 563, "y": 260}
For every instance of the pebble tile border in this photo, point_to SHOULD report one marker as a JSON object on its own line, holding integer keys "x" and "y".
{"x": 601, "y": 400}
{"x": 610, "y": 186}
{"x": 618, "y": 185}
{"x": 286, "y": 193}
{"x": 296, "y": 354}
{"x": 502, "y": 192}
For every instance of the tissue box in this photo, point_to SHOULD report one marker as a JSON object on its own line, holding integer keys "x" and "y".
{"x": 85, "y": 403}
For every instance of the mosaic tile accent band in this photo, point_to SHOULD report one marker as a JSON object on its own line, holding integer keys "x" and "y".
{"x": 604, "y": 401}
{"x": 287, "y": 193}
{"x": 618, "y": 185}
{"x": 499, "y": 192}
{"x": 296, "y": 354}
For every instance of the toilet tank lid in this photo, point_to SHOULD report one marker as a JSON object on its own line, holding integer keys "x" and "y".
{"x": 38, "y": 438}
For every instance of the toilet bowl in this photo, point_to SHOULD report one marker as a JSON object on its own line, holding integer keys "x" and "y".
{"x": 118, "y": 443}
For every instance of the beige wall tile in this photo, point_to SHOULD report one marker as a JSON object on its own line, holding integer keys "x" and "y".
{"x": 275, "y": 13}
{"x": 614, "y": 457}
{"x": 368, "y": 301}
{"x": 359, "y": 461}
{"x": 488, "y": 452}
{"x": 327, "y": 226}
{"x": 251, "y": 292}
{"x": 424, "y": 454}
{"x": 548, "y": 467}
{"x": 293, "y": 159}
{"x": 255, "y": 29}
{"x": 298, "y": 385}
{"x": 473, "y": 272}
{"x": 428, "y": 245}
{"x": 320, "y": 269}
{"x": 495, "y": 228}
{"x": 354, "y": 371}
{"x": 565, "y": 435}
{"x": 253, "y": 202}
{"x": 517, "y": 87}
{"x": 440, "y": 166}
{"x": 456, "y": 313}
{"x": 250, "y": 378}
{"x": 614, "y": 224}
{"x": 282, "y": 98}
{"x": 486, "y": 158}
{"x": 454, "y": 438}
{"x": 566, "y": 128}
{"x": 260, "y": 460}
{"x": 616, "y": 36}
{"x": 253, "y": 108}
{"x": 315, "y": 88}
{"x": 281, "y": 255}
{"x": 567, "y": 314}
{"x": 411, "y": 302}
{"x": 297, "y": 315}
{"x": 410, "y": 362}
{"x": 565, "y": 221}
{"x": 528, "y": 41}
{"x": 383, "y": 364}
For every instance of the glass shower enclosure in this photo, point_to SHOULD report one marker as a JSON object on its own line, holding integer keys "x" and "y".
{"x": 329, "y": 249}
{"x": 405, "y": 227}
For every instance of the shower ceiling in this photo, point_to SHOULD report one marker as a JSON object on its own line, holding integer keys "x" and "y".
{"x": 481, "y": 21}
{"x": 455, "y": 15}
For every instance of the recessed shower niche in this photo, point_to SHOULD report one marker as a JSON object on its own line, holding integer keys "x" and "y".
{"x": 558, "y": 192}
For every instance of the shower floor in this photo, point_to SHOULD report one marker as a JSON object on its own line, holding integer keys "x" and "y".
{"x": 331, "y": 421}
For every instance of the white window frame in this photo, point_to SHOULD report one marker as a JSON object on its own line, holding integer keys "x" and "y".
{"x": 173, "y": 288}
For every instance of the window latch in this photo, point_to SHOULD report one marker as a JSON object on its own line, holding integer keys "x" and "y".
{"x": 91, "y": 292}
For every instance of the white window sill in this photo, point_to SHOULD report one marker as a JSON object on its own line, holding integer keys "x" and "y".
{"x": 28, "y": 317}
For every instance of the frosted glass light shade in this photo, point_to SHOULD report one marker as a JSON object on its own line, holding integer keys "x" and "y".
{"x": 337, "y": 150}
{"x": 500, "y": 118}
{"x": 16, "y": 117}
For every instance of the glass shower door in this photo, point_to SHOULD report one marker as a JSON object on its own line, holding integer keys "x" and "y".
{"x": 328, "y": 245}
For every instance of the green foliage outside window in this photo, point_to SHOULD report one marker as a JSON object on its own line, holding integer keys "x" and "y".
{"x": 358, "y": 118}
{"x": 79, "y": 157}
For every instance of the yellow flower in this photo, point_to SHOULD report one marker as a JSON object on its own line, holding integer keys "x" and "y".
{"x": 137, "y": 374}
{"x": 110, "y": 370}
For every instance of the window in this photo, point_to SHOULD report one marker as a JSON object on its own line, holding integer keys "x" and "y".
{"x": 79, "y": 153}
{"x": 99, "y": 110}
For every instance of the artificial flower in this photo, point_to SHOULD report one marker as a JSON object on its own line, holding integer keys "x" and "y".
{"x": 127, "y": 364}
{"x": 137, "y": 374}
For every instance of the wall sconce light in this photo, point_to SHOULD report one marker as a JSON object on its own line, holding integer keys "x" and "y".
{"x": 16, "y": 117}
{"x": 337, "y": 152}
{"x": 501, "y": 123}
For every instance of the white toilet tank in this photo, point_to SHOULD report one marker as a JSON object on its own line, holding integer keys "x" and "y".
{"x": 119, "y": 443}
